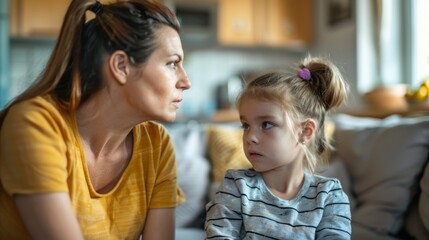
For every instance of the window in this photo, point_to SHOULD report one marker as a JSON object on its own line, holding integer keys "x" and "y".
{"x": 392, "y": 43}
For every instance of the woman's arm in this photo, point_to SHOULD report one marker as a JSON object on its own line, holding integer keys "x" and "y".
{"x": 160, "y": 224}
{"x": 48, "y": 216}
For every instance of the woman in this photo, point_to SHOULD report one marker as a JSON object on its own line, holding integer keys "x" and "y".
{"x": 80, "y": 155}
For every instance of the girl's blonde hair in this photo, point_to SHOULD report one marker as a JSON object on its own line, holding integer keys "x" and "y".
{"x": 73, "y": 72}
{"x": 303, "y": 97}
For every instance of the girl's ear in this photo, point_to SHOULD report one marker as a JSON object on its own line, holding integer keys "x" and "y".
{"x": 308, "y": 129}
{"x": 119, "y": 66}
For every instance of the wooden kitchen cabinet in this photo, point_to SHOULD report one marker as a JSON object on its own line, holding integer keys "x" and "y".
{"x": 236, "y": 23}
{"x": 265, "y": 22}
{"x": 38, "y": 18}
{"x": 41, "y": 18}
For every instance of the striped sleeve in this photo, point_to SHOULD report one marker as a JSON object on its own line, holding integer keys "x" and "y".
{"x": 336, "y": 220}
{"x": 224, "y": 220}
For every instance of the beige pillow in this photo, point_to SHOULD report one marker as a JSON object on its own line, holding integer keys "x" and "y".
{"x": 225, "y": 149}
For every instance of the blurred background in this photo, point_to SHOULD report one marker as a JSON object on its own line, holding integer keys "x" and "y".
{"x": 381, "y": 47}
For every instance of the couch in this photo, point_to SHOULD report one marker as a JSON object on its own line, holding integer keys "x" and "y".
{"x": 381, "y": 163}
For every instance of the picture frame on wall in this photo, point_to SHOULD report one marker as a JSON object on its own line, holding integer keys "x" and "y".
{"x": 339, "y": 11}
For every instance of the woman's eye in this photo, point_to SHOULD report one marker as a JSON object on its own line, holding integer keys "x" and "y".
{"x": 267, "y": 125}
{"x": 173, "y": 64}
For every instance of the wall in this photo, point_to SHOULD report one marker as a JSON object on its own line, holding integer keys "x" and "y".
{"x": 27, "y": 60}
{"x": 4, "y": 52}
{"x": 338, "y": 43}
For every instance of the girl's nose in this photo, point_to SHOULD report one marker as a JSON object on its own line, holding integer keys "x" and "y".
{"x": 250, "y": 137}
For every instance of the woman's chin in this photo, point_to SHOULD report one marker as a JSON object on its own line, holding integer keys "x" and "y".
{"x": 169, "y": 118}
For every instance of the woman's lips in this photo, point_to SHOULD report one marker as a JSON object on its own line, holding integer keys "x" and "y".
{"x": 176, "y": 102}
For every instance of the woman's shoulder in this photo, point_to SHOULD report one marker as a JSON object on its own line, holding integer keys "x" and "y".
{"x": 37, "y": 108}
{"x": 36, "y": 103}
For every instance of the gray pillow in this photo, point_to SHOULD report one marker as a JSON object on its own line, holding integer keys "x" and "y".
{"x": 193, "y": 170}
{"x": 384, "y": 163}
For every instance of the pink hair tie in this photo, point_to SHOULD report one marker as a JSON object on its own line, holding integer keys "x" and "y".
{"x": 304, "y": 73}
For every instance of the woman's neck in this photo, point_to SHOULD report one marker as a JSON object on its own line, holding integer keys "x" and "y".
{"x": 100, "y": 127}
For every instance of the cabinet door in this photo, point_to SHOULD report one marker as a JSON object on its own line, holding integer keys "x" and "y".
{"x": 235, "y": 22}
{"x": 275, "y": 23}
{"x": 41, "y": 18}
{"x": 289, "y": 22}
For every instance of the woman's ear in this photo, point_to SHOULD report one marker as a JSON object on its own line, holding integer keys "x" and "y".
{"x": 119, "y": 66}
{"x": 308, "y": 129}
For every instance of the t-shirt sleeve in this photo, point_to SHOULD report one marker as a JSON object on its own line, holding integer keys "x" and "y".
{"x": 32, "y": 149}
{"x": 336, "y": 220}
{"x": 166, "y": 192}
{"x": 224, "y": 219}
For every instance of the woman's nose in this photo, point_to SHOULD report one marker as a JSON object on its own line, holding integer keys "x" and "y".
{"x": 184, "y": 82}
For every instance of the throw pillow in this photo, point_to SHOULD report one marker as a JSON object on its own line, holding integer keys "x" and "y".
{"x": 193, "y": 171}
{"x": 384, "y": 163}
{"x": 225, "y": 149}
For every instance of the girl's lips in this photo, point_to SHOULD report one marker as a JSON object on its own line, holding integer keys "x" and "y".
{"x": 254, "y": 154}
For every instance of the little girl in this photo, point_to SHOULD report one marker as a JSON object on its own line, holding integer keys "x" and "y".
{"x": 281, "y": 197}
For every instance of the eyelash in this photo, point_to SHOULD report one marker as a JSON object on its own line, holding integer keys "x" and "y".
{"x": 264, "y": 125}
{"x": 173, "y": 64}
{"x": 245, "y": 126}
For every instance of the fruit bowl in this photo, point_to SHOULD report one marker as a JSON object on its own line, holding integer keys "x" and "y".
{"x": 387, "y": 98}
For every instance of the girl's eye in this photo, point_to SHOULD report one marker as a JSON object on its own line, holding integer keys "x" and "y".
{"x": 267, "y": 125}
{"x": 245, "y": 126}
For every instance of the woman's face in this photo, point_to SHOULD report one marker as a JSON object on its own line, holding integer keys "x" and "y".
{"x": 268, "y": 141}
{"x": 155, "y": 88}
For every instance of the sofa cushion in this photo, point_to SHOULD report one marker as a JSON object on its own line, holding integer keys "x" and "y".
{"x": 193, "y": 171}
{"x": 225, "y": 149}
{"x": 384, "y": 160}
{"x": 424, "y": 200}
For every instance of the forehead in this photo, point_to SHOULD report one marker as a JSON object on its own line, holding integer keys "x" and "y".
{"x": 168, "y": 41}
{"x": 255, "y": 107}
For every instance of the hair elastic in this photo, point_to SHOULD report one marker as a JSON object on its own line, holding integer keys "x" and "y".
{"x": 96, "y": 8}
{"x": 304, "y": 73}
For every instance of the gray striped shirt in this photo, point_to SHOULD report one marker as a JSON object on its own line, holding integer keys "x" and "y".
{"x": 244, "y": 208}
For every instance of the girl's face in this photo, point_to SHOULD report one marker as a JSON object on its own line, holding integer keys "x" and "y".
{"x": 156, "y": 88}
{"x": 268, "y": 141}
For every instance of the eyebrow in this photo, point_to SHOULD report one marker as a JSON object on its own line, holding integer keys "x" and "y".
{"x": 177, "y": 55}
{"x": 263, "y": 117}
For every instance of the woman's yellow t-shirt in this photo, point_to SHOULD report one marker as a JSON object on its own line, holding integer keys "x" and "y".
{"x": 41, "y": 152}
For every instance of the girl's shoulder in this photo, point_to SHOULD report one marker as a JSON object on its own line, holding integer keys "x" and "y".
{"x": 323, "y": 183}
{"x": 248, "y": 175}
